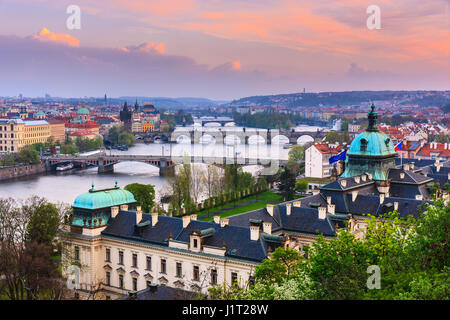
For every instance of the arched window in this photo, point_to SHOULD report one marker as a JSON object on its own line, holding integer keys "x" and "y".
{"x": 364, "y": 143}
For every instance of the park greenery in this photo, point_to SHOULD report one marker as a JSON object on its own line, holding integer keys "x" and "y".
{"x": 336, "y": 137}
{"x": 177, "y": 118}
{"x": 412, "y": 256}
{"x": 221, "y": 186}
{"x": 26, "y": 155}
{"x": 120, "y": 136}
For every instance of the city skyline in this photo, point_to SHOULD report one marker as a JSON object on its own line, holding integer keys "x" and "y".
{"x": 221, "y": 50}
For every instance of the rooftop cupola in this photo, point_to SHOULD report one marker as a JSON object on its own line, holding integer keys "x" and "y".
{"x": 372, "y": 117}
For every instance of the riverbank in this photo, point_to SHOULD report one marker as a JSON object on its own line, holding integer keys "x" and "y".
{"x": 21, "y": 170}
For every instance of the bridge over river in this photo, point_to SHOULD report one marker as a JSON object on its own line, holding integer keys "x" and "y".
{"x": 105, "y": 163}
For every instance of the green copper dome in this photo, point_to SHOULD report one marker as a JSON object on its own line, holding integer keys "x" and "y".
{"x": 371, "y": 151}
{"x": 96, "y": 199}
{"x": 83, "y": 111}
{"x": 371, "y": 144}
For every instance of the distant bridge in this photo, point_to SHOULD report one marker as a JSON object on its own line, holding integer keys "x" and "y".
{"x": 266, "y": 136}
{"x": 105, "y": 163}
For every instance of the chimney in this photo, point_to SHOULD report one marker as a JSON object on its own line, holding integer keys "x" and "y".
{"x": 438, "y": 167}
{"x": 357, "y": 179}
{"x": 269, "y": 209}
{"x": 254, "y": 233}
{"x": 322, "y": 213}
{"x": 297, "y": 203}
{"x": 217, "y": 219}
{"x": 224, "y": 222}
{"x": 344, "y": 183}
{"x": 402, "y": 175}
{"x": 114, "y": 211}
{"x": 186, "y": 221}
{"x": 193, "y": 217}
{"x": 419, "y": 197}
{"x": 395, "y": 205}
{"x": 354, "y": 195}
{"x": 288, "y": 208}
{"x": 331, "y": 208}
{"x": 124, "y": 207}
{"x": 412, "y": 165}
{"x": 267, "y": 227}
{"x": 138, "y": 215}
{"x": 329, "y": 200}
{"x": 381, "y": 198}
{"x": 154, "y": 218}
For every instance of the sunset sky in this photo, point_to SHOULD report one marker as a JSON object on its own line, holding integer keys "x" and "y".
{"x": 221, "y": 49}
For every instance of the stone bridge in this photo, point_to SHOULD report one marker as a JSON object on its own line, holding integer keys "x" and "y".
{"x": 265, "y": 136}
{"x": 105, "y": 163}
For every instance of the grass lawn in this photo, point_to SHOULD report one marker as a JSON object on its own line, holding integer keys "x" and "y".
{"x": 266, "y": 196}
{"x": 249, "y": 207}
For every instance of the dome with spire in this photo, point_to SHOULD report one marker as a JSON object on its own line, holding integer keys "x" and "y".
{"x": 371, "y": 151}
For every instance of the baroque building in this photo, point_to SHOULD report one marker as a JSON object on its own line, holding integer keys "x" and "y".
{"x": 123, "y": 249}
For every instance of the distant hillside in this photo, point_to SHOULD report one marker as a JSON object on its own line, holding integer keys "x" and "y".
{"x": 423, "y": 98}
{"x": 174, "y": 103}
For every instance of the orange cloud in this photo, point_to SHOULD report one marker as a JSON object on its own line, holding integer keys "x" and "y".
{"x": 60, "y": 38}
{"x": 236, "y": 65}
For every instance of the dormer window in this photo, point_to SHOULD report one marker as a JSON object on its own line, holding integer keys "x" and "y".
{"x": 195, "y": 243}
{"x": 364, "y": 143}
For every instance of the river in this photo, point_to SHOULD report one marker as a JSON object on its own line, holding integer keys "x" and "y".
{"x": 65, "y": 186}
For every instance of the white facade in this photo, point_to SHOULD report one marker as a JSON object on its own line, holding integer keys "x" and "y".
{"x": 316, "y": 163}
{"x": 95, "y": 266}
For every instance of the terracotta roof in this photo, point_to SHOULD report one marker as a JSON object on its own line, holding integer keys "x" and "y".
{"x": 325, "y": 148}
{"x": 443, "y": 149}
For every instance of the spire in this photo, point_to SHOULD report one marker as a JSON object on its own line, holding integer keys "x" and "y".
{"x": 372, "y": 117}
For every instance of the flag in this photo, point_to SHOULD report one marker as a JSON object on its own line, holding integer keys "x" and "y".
{"x": 398, "y": 147}
{"x": 340, "y": 156}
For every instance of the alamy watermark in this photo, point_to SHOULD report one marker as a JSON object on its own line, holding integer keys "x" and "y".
{"x": 374, "y": 20}
{"x": 74, "y": 20}
{"x": 374, "y": 280}
{"x": 267, "y": 155}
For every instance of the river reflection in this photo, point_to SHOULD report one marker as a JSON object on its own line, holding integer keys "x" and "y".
{"x": 65, "y": 186}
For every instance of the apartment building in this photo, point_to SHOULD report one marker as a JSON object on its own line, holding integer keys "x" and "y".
{"x": 16, "y": 133}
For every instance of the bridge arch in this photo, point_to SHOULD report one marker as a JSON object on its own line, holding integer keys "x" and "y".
{"x": 280, "y": 139}
{"x": 207, "y": 139}
{"x": 212, "y": 124}
{"x": 256, "y": 139}
{"x": 183, "y": 139}
{"x": 304, "y": 139}
{"x": 231, "y": 139}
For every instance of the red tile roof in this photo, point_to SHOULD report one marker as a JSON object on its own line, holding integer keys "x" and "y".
{"x": 325, "y": 148}
{"x": 443, "y": 149}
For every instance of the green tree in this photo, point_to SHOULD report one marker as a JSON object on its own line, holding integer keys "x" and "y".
{"x": 144, "y": 195}
{"x": 338, "y": 266}
{"x": 301, "y": 185}
{"x": 287, "y": 184}
{"x": 44, "y": 221}
{"x": 28, "y": 155}
{"x": 297, "y": 153}
{"x": 333, "y": 137}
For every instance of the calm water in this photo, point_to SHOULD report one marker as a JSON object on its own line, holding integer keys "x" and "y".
{"x": 66, "y": 186}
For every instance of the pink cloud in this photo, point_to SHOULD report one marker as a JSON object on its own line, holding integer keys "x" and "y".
{"x": 148, "y": 47}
